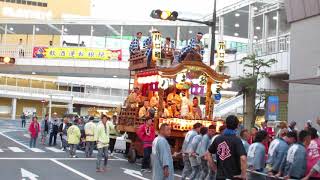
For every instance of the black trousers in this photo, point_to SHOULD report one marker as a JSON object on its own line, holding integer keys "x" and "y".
{"x": 111, "y": 144}
{"x": 54, "y": 137}
{"x": 146, "y": 158}
{"x": 23, "y": 123}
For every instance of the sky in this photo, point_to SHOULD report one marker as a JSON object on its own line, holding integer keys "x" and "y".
{"x": 140, "y": 9}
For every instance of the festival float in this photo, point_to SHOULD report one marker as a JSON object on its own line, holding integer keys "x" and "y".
{"x": 170, "y": 89}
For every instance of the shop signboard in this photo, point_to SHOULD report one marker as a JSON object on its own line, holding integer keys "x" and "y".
{"x": 273, "y": 108}
{"x": 156, "y": 45}
{"x": 76, "y": 53}
{"x": 221, "y": 53}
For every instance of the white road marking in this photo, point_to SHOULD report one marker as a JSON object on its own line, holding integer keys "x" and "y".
{"x": 55, "y": 149}
{"x": 71, "y": 169}
{"x": 134, "y": 173}
{"x": 16, "y": 149}
{"x": 28, "y": 174}
{"x": 15, "y": 141}
{"x": 1, "y": 150}
{"x": 36, "y": 150}
{"x": 78, "y": 151}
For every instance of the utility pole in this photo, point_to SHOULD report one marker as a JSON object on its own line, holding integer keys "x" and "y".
{"x": 213, "y": 34}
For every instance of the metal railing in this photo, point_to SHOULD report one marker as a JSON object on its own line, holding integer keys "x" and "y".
{"x": 16, "y": 51}
{"x": 272, "y": 45}
{"x": 64, "y": 96}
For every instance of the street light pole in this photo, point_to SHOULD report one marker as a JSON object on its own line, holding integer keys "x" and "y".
{"x": 213, "y": 34}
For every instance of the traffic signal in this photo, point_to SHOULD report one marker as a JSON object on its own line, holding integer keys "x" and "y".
{"x": 7, "y": 60}
{"x": 164, "y": 15}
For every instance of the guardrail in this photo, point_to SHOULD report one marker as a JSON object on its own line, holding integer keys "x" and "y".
{"x": 62, "y": 96}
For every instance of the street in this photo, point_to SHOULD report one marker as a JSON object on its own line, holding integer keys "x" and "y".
{"x": 18, "y": 161}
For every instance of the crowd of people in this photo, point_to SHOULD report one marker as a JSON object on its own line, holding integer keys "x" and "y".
{"x": 256, "y": 154}
{"x": 76, "y": 134}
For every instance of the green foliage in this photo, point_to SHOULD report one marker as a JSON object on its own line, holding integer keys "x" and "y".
{"x": 254, "y": 69}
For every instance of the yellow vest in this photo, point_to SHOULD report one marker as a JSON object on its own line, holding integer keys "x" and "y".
{"x": 89, "y": 129}
{"x": 73, "y": 135}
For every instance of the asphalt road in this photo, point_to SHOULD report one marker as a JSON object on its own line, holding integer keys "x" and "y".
{"x": 18, "y": 161}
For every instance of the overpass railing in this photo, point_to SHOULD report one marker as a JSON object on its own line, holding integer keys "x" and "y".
{"x": 63, "y": 96}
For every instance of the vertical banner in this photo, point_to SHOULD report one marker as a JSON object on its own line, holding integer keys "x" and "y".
{"x": 273, "y": 108}
{"x": 156, "y": 45}
{"x": 221, "y": 53}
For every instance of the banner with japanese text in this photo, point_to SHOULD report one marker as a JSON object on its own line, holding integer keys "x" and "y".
{"x": 76, "y": 53}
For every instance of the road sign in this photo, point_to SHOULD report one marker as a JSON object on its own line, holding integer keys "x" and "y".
{"x": 28, "y": 174}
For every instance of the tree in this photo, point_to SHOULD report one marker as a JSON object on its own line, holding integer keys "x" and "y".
{"x": 254, "y": 70}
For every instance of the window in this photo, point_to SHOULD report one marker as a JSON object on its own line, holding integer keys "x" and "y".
{"x": 45, "y": 4}
{"x": 24, "y": 2}
{"x": 8, "y": 0}
{"x": 34, "y": 3}
{"x": 28, "y": 2}
{"x": 13, "y": 1}
{"x": 40, "y": 4}
{"x": 19, "y": 1}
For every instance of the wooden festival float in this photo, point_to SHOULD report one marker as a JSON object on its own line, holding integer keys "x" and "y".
{"x": 170, "y": 89}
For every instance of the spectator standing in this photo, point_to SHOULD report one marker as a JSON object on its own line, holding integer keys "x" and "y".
{"x": 53, "y": 130}
{"x": 186, "y": 143}
{"x": 63, "y": 129}
{"x": 44, "y": 129}
{"x": 256, "y": 156}
{"x": 254, "y": 131}
{"x": 89, "y": 129}
{"x": 102, "y": 137}
{"x": 73, "y": 137}
{"x": 194, "y": 158}
{"x": 21, "y": 48}
{"x": 230, "y": 153}
{"x": 295, "y": 164}
{"x": 34, "y": 130}
{"x": 146, "y": 133}
{"x": 313, "y": 153}
{"x": 292, "y": 126}
{"x": 162, "y": 158}
{"x": 278, "y": 149}
{"x": 23, "y": 119}
{"x": 244, "y": 135}
{"x": 113, "y": 134}
{"x": 202, "y": 149}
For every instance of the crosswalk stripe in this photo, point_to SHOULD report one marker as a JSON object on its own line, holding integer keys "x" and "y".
{"x": 78, "y": 151}
{"x": 15, "y": 149}
{"x": 36, "y": 150}
{"x": 54, "y": 149}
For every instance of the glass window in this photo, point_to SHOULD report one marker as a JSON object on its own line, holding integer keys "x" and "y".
{"x": 24, "y": 2}
{"x": 19, "y": 1}
{"x": 40, "y": 4}
{"x": 8, "y": 0}
{"x": 33, "y": 3}
{"x": 13, "y": 1}
{"x": 28, "y": 2}
{"x": 44, "y": 4}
